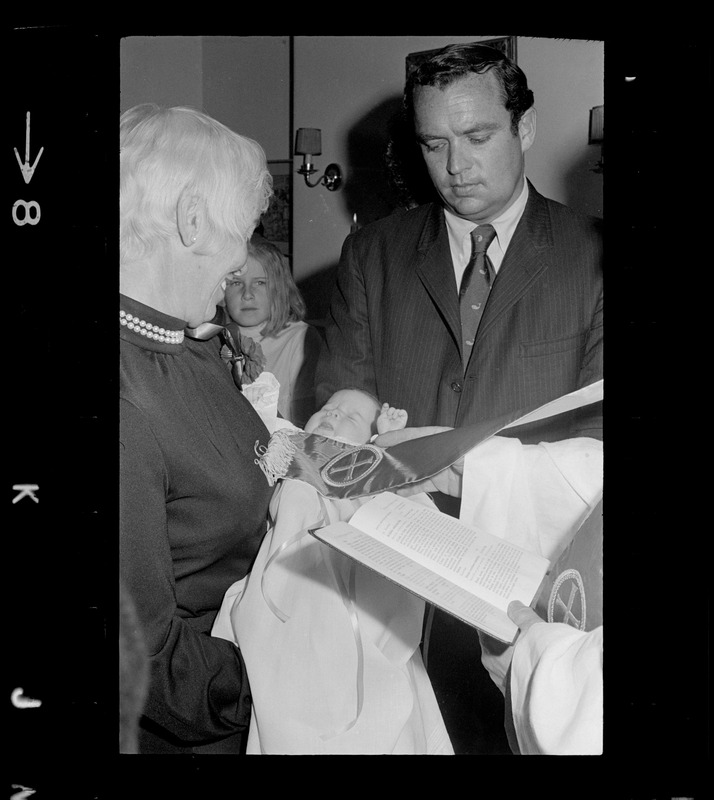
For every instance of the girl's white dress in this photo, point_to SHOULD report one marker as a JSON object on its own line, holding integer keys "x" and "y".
{"x": 331, "y": 648}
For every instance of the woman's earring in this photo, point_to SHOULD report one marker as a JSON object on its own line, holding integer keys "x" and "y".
{"x": 193, "y": 238}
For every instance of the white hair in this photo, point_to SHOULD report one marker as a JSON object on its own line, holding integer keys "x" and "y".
{"x": 168, "y": 151}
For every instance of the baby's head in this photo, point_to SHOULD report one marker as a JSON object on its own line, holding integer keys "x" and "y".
{"x": 350, "y": 415}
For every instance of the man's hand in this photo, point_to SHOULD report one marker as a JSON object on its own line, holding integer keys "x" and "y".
{"x": 524, "y": 616}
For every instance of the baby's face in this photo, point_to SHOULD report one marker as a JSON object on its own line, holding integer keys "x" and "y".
{"x": 348, "y": 415}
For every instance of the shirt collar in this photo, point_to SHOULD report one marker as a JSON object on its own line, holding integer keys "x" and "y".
{"x": 505, "y": 224}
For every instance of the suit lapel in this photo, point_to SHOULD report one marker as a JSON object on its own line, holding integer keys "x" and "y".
{"x": 436, "y": 270}
{"x": 526, "y": 259}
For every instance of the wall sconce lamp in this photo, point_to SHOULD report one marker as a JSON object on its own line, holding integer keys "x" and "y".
{"x": 597, "y": 125}
{"x": 597, "y": 134}
{"x": 308, "y": 143}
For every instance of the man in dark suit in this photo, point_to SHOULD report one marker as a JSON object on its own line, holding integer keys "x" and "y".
{"x": 398, "y": 327}
{"x": 395, "y": 326}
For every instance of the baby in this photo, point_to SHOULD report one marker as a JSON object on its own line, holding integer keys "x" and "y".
{"x": 355, "y": 416}
{"x": 331, "y": 647}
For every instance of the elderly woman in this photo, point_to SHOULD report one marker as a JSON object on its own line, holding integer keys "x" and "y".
{"x": 193, "y": 502}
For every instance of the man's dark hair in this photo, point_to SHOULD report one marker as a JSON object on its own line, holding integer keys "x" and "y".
{"x": 458, "y": 60}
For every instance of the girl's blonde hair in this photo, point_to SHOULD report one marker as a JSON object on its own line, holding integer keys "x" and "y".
{"x": 286, "y": 302}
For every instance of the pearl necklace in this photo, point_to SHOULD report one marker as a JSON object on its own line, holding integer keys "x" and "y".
{"x": 149, "y": 330}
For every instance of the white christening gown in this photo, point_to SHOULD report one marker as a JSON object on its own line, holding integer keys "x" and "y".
{"x": 331, "y": 648}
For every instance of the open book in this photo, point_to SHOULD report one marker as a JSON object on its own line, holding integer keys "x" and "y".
{"x": 468, "y": 573}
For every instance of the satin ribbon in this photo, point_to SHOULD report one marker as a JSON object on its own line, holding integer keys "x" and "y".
{"x": 348, "y": 596}
{"x": 337, "y": 469}
{"x": 283, "y": 617}
{"x": 236, "y": 357}
{"x": 207, "y": 330}
{"x": 320, "y": 523}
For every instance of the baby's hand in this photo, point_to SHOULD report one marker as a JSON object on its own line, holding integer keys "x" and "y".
{"x": 391, "y": 419}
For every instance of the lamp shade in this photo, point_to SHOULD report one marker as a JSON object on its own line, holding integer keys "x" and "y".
{"x": 308, "y": 141}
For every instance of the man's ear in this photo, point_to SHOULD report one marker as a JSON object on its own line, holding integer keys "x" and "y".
{"x": 190, "y": 217}
{"x": 527, "y": 129}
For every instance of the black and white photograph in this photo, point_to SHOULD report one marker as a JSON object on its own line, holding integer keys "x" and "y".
{"x": 358, "y": 506}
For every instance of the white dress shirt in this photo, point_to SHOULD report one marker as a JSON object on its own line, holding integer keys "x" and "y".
{"x": 460, "y": 235}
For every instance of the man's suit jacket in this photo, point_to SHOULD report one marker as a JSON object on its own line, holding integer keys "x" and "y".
{"x": 394, "y": 326}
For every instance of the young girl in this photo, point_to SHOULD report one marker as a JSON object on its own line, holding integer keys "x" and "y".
{"x": 265, "y": 305}
{"x": 331, "y": 648}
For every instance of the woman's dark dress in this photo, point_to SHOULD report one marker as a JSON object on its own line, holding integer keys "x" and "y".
{"x": 193, "y": 510}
